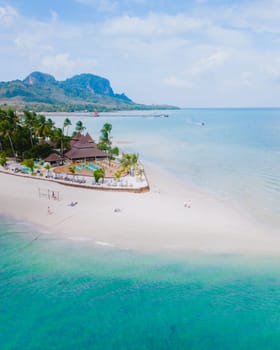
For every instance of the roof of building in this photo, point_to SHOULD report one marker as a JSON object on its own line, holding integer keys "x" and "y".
{"x": 53, "y": 157}
{"x": 81, "y": 138}
{"x": 81, "y": 153}
{"x": 83, "y": 146}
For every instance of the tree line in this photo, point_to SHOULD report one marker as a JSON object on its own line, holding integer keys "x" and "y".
{"x": 27, "y": 136}
{"x": 31, "y": 135}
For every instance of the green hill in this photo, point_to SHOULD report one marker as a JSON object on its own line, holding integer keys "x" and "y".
{"x": 84, "y": 92}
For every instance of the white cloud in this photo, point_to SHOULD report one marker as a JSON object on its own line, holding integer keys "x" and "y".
{"x": 152, "y": 25}
{"x": 272, "y": 69}
{"x": 247, "y": 79}
{"x": 192, "y": 74}
{"x": 174, "y": 82}
{"x": 63, "y": 66}
{"x": 212, "y": 57}
{"x": 8, "y": 15}
{"x": 54, "y": 15}
{"x": 256, "y": 16}
{"x": 101, "y": 5}
{"x": 209, "y": 63}
{"x": 228, "y": 37}
{"x": 28, "y": 42}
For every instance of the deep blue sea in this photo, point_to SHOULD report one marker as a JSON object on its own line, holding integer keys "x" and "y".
{"x": 62, "y": 294}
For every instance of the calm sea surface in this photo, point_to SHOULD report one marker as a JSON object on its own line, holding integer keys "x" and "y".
{"x": 60, "y": 294}
{"x": 235, "y": 155}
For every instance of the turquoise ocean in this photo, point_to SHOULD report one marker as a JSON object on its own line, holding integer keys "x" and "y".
{"x": 61, "y": 294}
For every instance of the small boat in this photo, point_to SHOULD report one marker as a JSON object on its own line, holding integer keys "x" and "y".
{"x": 162, "y": 115}
{"x": 96, "y": 113}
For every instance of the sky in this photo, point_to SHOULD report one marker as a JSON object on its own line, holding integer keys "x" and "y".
{"x": 187, "y": 53}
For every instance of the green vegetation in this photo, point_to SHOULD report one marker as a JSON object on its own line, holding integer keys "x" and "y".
{"x": 48, "y": 168}
{"x": 72, "y": 170}
{"x": 129, "y": 162}
{"x": 29, "y": 135}
{"x": 99, "y": 174}
{"x": 118, "y": 175}
{"x": 38, "y": 151}
{"x": 105, "y": 142}
{"x": 3, "y": 159}
{"x": 66, "y": 124}
{"x": 139, "y": 172}
{"x": 29, "y": 163}
{"x": 80, "y": 126}
{"x": 85, "y": 92}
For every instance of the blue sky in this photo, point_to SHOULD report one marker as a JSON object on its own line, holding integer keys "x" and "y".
{"x": 193, "y": 53}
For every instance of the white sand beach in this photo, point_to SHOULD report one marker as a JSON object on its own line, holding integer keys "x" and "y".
{"x": 171, "y": 217}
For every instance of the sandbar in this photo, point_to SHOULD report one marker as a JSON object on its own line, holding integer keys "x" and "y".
{"x": 170, "y": 217}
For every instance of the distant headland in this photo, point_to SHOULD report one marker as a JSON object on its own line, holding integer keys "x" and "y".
{"x": 41, "y": 92}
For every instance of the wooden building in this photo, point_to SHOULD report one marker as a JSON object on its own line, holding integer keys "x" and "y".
{"x": 84, "y": 148}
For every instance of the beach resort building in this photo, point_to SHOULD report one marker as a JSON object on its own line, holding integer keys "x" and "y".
{"x": 84, "y": 148}
{"x": 54, "y": 159}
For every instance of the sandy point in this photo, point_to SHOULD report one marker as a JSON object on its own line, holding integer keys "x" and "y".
{"x": 170, "y": 217}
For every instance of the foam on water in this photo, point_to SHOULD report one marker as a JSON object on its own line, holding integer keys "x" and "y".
{"x": 104, "y": 244}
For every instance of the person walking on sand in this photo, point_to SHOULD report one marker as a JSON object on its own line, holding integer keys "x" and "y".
{"x": 49, "y": 211}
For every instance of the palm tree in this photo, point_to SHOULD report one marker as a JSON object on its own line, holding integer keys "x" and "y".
{"x": 99, "y": 174}
{"x": 49, "y": 128}
{"x": 134, "y": 160}
{"x": 29, "y": 163}
{"x": 105, "y": 131}
{"x": 8, "y": 126}
{"x": 6, "y": 131}
{"x": 118, "y": 175}
{"x": 30, "y": 121}
{"x": 105, "y": 142}
{"x": 56, "y": 136}
{"x": 3, "y": 159}
{"x": 140, "y": 172}
{"x": 66, "y": 124}
{"x": 72, "y": 170}
{"x": 80, "y": 126}
{"x": 41, "y": 125}
{"x": 113, "y": 151}
{"x": 48, "y": 168}
{"x": 129, "y": 161}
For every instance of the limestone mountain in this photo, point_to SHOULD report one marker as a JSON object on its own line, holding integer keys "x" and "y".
{"x": 42, "y": 92}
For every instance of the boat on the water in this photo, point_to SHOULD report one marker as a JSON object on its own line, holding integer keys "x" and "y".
{"x": 161, "y": 115}
{"x": 96, "y": 113}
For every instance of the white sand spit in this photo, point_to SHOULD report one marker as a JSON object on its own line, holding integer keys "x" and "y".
{"x": 170, "y": 217}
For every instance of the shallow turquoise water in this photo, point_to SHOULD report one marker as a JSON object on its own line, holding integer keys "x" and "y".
{"x": 234, "y": 155}
{"x": 58, "y": 294}
{"x": 62, "y": 294}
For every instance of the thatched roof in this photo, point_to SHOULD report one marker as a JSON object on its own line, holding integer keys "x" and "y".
{"x": 83, "y": 146}
{"x": 53, "y": 157}
{"x": 81, "y": 138}
{"x": 83, "y": 153}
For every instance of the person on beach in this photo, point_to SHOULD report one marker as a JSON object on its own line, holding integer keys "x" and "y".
{"x": 49, "y": 211}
